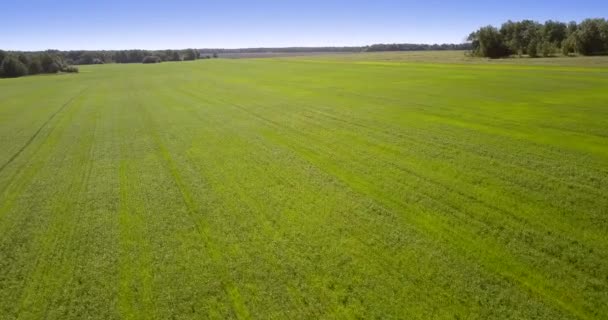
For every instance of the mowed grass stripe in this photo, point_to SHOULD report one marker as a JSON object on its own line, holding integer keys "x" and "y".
{"x": 193, "y": 209}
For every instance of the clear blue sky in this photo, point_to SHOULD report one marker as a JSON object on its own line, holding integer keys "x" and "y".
{"x": 114, "y": 24}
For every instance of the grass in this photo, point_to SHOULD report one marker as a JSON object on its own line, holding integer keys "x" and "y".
{"x": 460, "y": 57}
{"x": 305, "y": 188}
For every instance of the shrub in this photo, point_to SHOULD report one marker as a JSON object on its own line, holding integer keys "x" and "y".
{"x": 53, "y": 68}
{"x": 13, "y": 68}
{"x": 71, "y": 69}
{"x": 151, "y": 59}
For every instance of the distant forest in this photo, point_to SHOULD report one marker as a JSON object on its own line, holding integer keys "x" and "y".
{"x": 527, "y": 37}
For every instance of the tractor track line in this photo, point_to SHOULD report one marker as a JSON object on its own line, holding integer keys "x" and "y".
{"x": 31, "y": 139}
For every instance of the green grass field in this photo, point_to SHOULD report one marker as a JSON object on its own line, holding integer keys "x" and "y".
{"x": 304, "y": 188}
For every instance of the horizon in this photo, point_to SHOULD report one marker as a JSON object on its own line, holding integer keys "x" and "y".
{"x": 112, "y": 25}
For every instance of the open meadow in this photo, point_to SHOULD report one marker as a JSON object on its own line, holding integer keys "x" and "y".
{"x": 353, "y": 186}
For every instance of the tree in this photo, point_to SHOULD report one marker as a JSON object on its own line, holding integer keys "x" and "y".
{"x": 2, "y": 55}
{"x": 176, "y": 56}
{"x": 547, "y": 48}
{"x": 191, "y": 54}
{"x": 53, "y": 68}
{"x": 554, "y": 32}
{"x": 23, "y": 58}
{"x": 13, "y": 68}
{"x": 571, "y": 28}
{"x": 34, "y": 67}
{"x": 513, "y": 36}
{"x": 48, "y": 63}
{"x": 592, "y": 37}
{"x": 533, "y": 48}
{"x": 569, "y": 45}
{"x": 489, "y": 42}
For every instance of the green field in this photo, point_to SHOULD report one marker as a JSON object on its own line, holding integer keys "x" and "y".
{"x": 305, "y": 188}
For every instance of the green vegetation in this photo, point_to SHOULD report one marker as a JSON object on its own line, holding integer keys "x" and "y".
{"x": 18, "y": 64}
{"x": 531, "y": 38}
{"x": 344, "y": 188}
{"x": 152, "y": 59}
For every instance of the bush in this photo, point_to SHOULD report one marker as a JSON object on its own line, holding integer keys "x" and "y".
{"x": 71, "y": 69}
{"x": 53, "y": 68}
{"x": 13, "y": 68}
{"x": 151, "y": 59}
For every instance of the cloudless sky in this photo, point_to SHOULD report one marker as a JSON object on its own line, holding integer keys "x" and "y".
{"x": 151, "y": 24}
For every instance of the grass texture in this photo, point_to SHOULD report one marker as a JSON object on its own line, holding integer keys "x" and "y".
{"x": 305, "y": 188}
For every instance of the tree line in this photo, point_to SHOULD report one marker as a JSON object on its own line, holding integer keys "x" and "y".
{"x": 18, "y": 64}
{"x": 83, "y": 57}
{"x": 417, "y": 47}
{"x": 534, "y": 39}
{"x": 352, "y": 49}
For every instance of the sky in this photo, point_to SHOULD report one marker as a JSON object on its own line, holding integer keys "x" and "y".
{"x": 167, "y": 24}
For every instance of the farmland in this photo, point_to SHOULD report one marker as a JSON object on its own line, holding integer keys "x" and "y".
{"x": 302, "y": 188}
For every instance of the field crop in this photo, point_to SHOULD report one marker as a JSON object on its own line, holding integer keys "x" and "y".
{"x": 305, "y": 188}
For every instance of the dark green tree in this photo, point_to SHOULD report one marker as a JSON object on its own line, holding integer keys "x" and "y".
{"x": 554, "y": 32}
{"x": 592, "y": 37}
{"x": 176, "y": 56}
{"x": 34, "y": 66}
{"x": 489, "y": 42}
{"x": 190, "y": 54}
{"x": 547, "y": 48}
{"x": 23, "y": 58}
{"x": 13, "y": 68}
{"x": 533, "y": 48}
